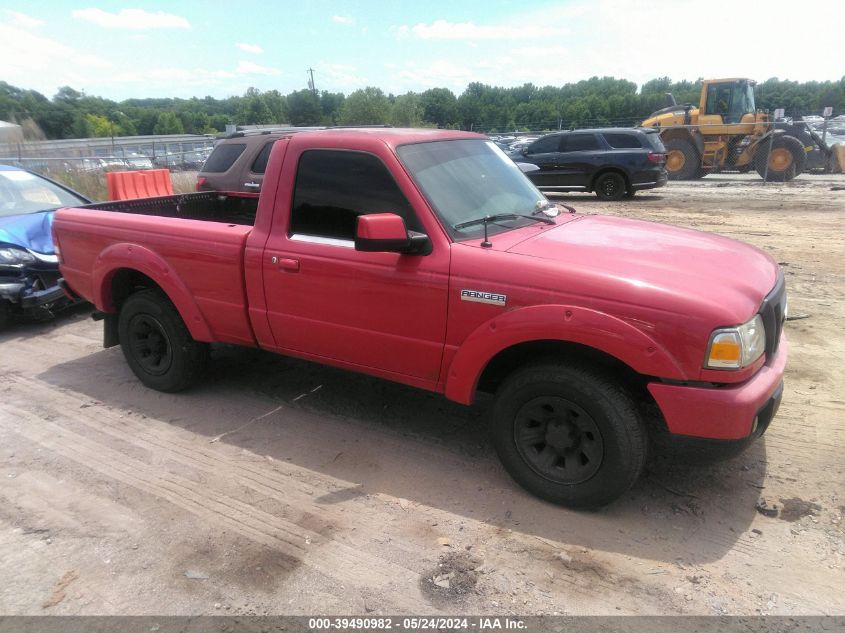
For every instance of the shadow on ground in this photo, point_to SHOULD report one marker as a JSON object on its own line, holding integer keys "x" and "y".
{"x": 381, "y": 437}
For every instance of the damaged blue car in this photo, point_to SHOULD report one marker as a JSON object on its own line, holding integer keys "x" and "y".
{"x": 29, "y": 268}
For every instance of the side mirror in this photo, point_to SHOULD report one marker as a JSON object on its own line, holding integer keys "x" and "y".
{"x": 524, "y": 151}
{"x": 386, "y": 233}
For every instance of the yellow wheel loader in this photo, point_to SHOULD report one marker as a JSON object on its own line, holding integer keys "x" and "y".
{"x": 726, "y": 131}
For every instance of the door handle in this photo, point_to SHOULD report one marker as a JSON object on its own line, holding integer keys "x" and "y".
{"x": 253, "y": 185}
{"x": 286, "y": 263}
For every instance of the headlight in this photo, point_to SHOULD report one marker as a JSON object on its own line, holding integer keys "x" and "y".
{"x": 736, "y": 347}
{"x": 15, "y": 256}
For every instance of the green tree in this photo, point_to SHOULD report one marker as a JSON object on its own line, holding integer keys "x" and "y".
{"x": 253, "y": 109}
{"x": 99, "y": 125}
{"x": 331, "y": 103}
{"x": 440, "y": 106}
{"x": 406, "y": 110}
{"x": 303, "y": 108}
{"x": 168, "y": 123}
{"x": 369, "y": 106}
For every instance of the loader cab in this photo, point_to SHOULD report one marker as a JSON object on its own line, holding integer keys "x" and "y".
{"x": 727, "y": 104}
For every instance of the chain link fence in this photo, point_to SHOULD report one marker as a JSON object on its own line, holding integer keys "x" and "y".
{"x": 82, "y": 163}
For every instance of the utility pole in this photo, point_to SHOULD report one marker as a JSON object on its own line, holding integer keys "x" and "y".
{"x": 311, "y": 85}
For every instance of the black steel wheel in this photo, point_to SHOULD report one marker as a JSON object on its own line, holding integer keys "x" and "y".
{"x": 156, "y": 343}
{"x": 558, "y": 439}
{"x": 610, "y": 186}
{"x": 150, "y": 344}
{"x": 569, "y": 434}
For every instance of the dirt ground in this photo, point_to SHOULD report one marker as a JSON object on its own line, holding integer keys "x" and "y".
{"x": 282, "y": 487}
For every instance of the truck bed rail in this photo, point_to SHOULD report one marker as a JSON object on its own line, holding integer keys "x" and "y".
{"x": 209, "y": 206}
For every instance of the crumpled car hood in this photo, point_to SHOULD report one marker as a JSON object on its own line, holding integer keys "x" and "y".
{"x": 31, "y": 230}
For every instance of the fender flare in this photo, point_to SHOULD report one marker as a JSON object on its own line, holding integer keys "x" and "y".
{"x": 141, "y": 259}
{"x": 603, "y": 332}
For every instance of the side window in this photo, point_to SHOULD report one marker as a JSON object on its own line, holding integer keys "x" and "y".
{"x": 223, "y": 156}
{"x": 582, "y": 143}
{"x": 718, "y": 98}
{"x": 622, "y": 141}
{"x": 259, "y": 165}
{"x": 334, "y": 187}
{"x": 545, "y": 145}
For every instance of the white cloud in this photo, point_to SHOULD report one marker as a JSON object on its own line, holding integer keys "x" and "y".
{"x": 255, "y": 49}
{"x": 21, "y": 20}
{"x": 137, "y": 19}
{"x": 343, "y": 19}
{"x": 469, "y": 31}
{"x": 342, "y": 77}
{"x": 37, "y": 62}
{"x": 435, "y": 74}
{"x": 251, "y": 68}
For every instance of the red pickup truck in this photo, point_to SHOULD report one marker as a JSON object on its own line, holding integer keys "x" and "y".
{"x": 426, "y": 257}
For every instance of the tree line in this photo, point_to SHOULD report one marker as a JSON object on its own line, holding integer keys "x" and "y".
{"x": 594, "y": 102}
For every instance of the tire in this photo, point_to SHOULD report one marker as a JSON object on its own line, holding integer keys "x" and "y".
{"x": 569, "y": 434}
{"x": 682, "y": 159}
{"x": 786, "y": 160}
{"x": 157, "y": 345}
{"x": 610, "y": 186}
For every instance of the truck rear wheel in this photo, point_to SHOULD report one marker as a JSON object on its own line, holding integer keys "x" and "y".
{"x": 682, "y": 160}
{"x": 786, "y": 159}
{"x": 568, "y": 434}
{"x": 156, "y": 343}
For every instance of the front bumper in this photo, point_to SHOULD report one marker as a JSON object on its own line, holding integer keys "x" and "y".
{"x": 729, "y": 412}
{"x": 27, "y": 298}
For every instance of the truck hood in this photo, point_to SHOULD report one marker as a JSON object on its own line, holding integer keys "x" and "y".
{"x": 30, "y": 230}
{"x": 645, "y": 263}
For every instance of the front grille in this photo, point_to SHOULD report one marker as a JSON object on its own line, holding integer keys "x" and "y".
{"x": 773, "y": 312}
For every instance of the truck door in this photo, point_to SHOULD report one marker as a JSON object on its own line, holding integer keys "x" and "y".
{"x": 384, "y": 311}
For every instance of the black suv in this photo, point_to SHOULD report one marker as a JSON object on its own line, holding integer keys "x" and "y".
{"x": 612, "y": 162}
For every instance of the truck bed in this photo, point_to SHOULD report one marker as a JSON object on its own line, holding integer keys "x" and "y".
{"x": 200, "y": 237}
{"x": 208, "y": 206}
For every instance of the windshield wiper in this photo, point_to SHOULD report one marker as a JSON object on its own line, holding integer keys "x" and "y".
{"x": 498, "y": 217}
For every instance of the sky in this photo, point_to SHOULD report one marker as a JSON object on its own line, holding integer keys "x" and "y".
{"x": 184, "y": 48}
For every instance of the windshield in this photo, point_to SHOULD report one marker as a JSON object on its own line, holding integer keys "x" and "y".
{"x": 22, "y": 192}
{"x": 466, "y": 180}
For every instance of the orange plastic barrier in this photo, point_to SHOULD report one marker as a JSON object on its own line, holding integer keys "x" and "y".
{"x": 128, "y": 185}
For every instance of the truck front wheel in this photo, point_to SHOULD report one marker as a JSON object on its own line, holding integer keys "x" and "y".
{"x": 568, "y": 434}
{"x": 156, "y": 343}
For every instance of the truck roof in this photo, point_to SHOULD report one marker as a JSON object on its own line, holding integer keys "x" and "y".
{"x": 394, "y": 136}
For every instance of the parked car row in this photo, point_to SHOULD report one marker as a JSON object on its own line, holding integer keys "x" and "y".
{"x": 186, "y": 161}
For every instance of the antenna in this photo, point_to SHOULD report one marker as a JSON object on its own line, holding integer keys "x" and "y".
{"x": 311, "y": 85}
